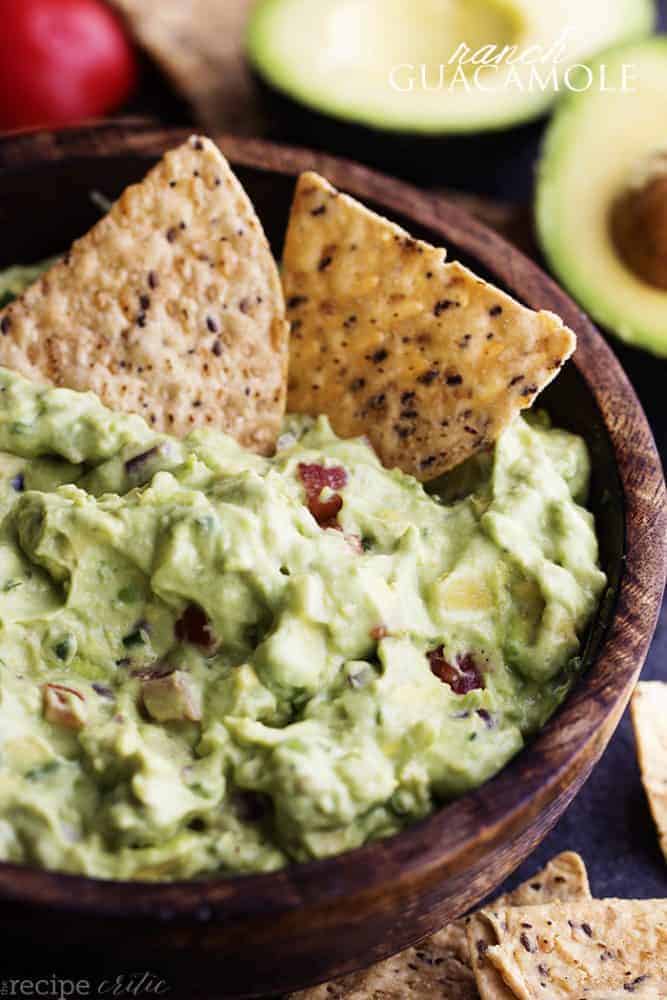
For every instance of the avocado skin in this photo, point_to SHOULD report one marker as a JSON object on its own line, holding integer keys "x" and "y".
{"x": 496, "y": 164}
{"x": 627, "y": 320}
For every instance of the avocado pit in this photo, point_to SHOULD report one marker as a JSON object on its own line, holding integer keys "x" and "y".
{"x": 638, "y": 222}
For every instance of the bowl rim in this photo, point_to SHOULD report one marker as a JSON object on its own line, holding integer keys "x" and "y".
{"x": 591, "y": 711}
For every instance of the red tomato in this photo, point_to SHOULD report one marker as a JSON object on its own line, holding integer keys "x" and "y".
{"x": 61, "y": 61}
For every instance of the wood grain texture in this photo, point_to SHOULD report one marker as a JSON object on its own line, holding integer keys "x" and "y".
{"x": 260, "y": 934}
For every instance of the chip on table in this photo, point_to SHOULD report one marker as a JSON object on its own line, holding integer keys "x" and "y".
{"x": 440, "y": 966}
{"x": 566, "y": 950}
{"x": 649, "y": 717}
{"x": 199, "y": 46}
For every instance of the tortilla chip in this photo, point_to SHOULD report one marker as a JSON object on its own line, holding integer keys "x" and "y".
{"x": 199, "y": 45}
{"x": 428, "y": 970}
{"x": 565, "y": 878}
{"x": 170, "y": 307}
{"x": 591, "y": 949}
{"x": 649, "y": 718}
{"x": 388, "y": 340}
{"x": 440, "y": 965}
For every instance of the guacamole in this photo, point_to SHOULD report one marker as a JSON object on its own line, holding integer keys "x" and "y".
{"x": 212, "y": 661}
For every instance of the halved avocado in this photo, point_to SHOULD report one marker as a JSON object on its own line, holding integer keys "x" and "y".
{"x": 386, "y": 63}
{"x": 601, "y": 198}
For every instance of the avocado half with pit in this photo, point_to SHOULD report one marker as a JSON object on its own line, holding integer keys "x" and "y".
{"x": 394, "y": 64}
{"x": 601, "y": 197}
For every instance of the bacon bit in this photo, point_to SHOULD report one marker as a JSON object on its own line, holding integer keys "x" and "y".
{"x": 355, "y": 543}
{"x": 464, "y": 676}
{"x": 315, "y": 478}
{"x": 379, "y": 632}
{"x": 61, "y": 687}
{"x": 172, "y": 698}
{"x": 326, "y": 512}
{"x": 152, "y": 673}
{"x": 194, "y": 627}
{"x": 60, "y": 710}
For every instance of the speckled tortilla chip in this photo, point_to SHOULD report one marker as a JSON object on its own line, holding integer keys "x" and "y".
{"x": 600, "y": 948}
{"x": 428, "y": 971}
{"x": 565, "y": 878}
{"x": 439, "y": 967}
{"x": 389, "y": 340}
{"x": 170, "y": 307}
{"x": 649, "y": 718}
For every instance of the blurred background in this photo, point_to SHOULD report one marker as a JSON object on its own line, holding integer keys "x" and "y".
{"x": 547, "y": 119}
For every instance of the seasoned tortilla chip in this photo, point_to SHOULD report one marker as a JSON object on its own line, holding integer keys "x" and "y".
{"x": 586, "y": 949}
{"x": 649, "y": 718}
{"x": 170, "y": 307}
{"x": 199, "y": 46}
{"x": 565, "y": 878}
{"x": 428, "y": 971}
{"x": 389, "y": 340}
{"x": 439, "y": 967}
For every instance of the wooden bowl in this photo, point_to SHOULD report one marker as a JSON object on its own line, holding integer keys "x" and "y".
{"x": 245, "y": 936}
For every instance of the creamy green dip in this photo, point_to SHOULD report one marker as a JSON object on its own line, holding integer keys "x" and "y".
{"x": 212, "y": 661}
